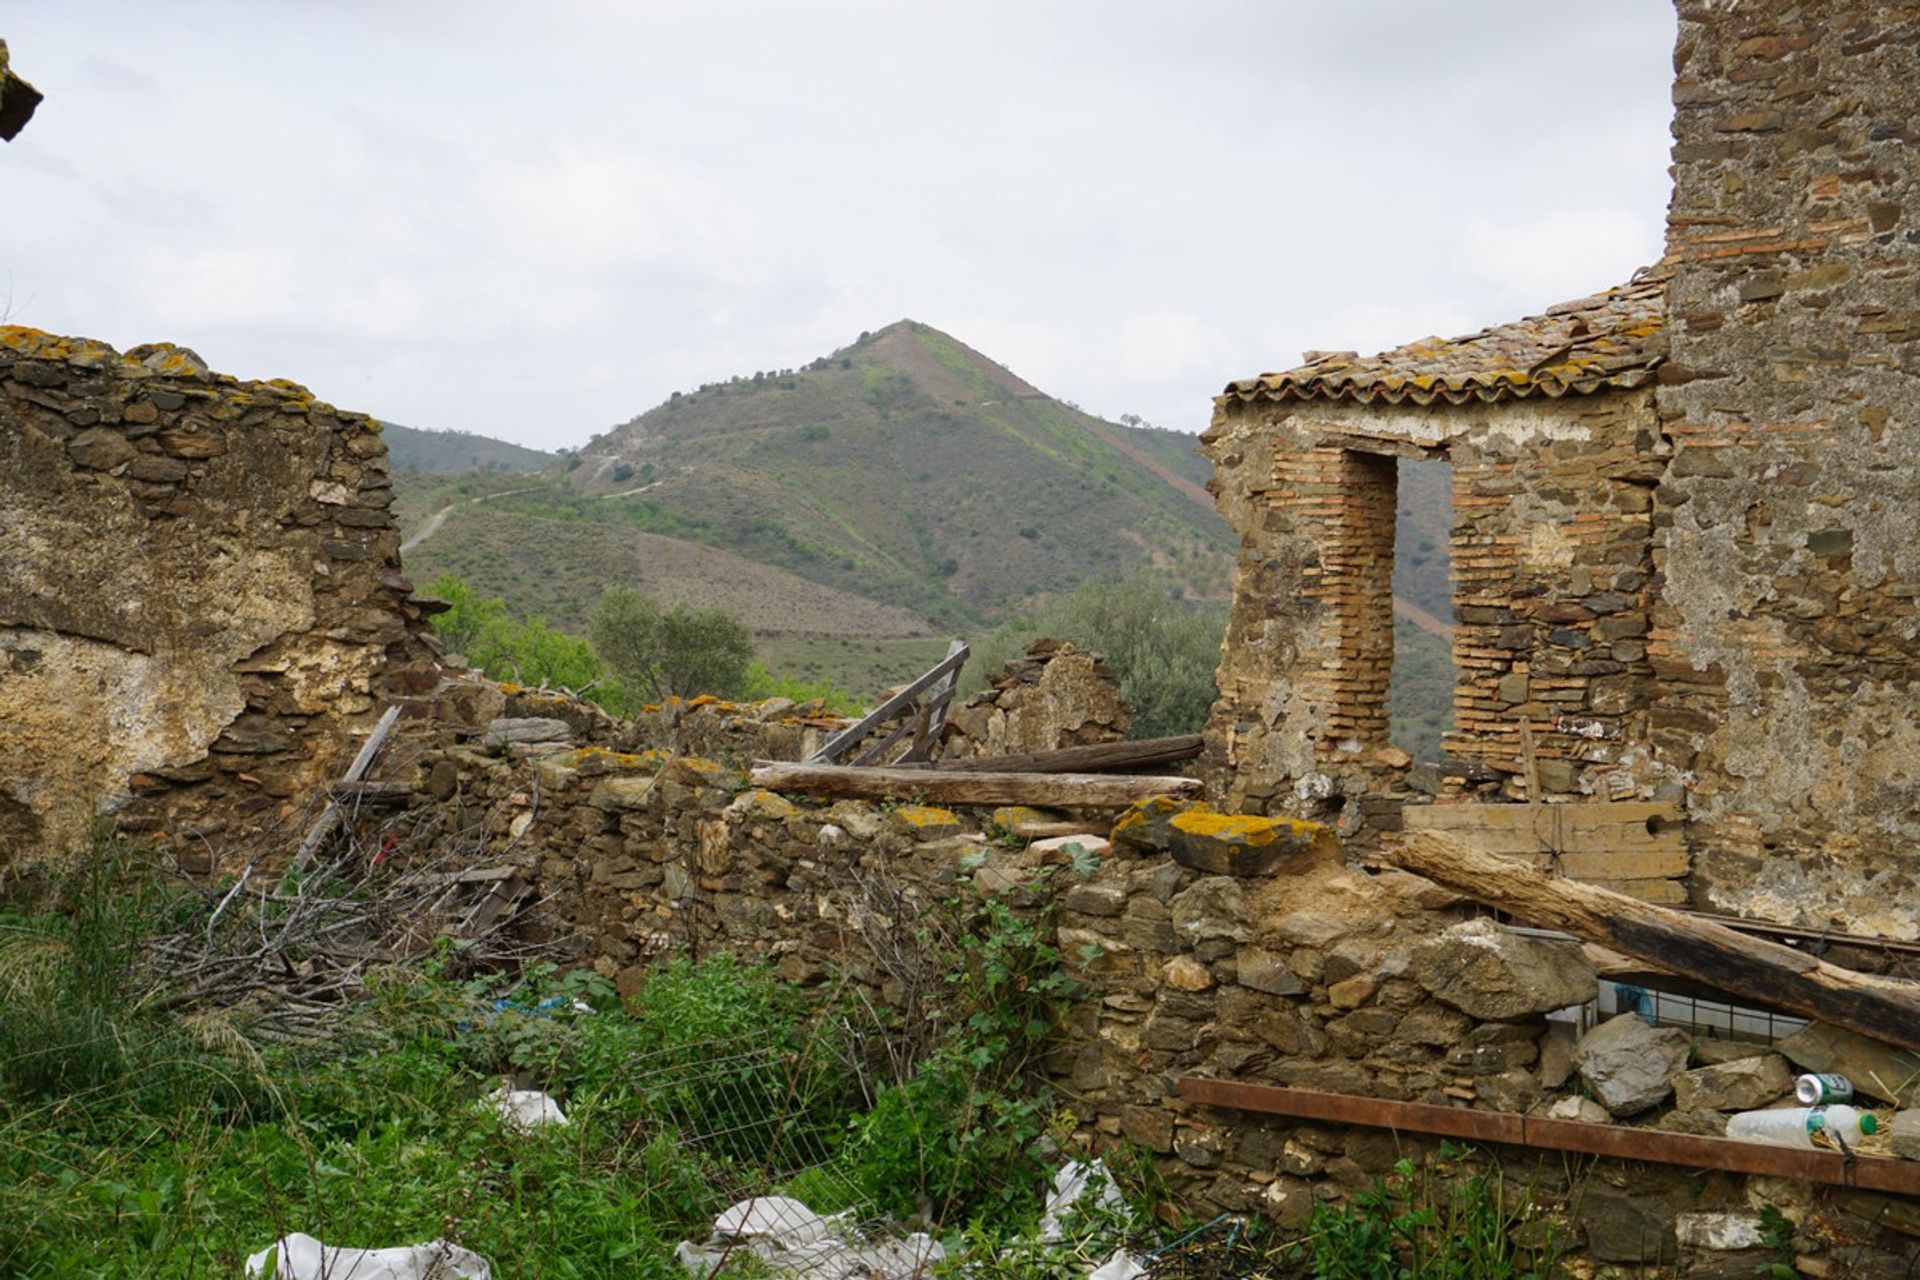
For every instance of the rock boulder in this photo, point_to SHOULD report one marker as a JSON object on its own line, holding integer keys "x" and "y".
{"x": 1627, "y": 1065}
{"x": 1489, "y": 971}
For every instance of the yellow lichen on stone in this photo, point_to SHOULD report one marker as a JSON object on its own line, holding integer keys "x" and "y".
{"x": 1242, "y": 828}
{"x": 926, "y": 815}
{"x": 649, "y": 758}
{"x": 1007, "y": 817}
{"x": 766, "y": 805}
{"x": 1148, "y": 810}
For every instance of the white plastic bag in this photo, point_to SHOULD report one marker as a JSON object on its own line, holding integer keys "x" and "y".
{"x": 525, "y": 1108}
{"x": 1070, "y": 1185}
{"x": 301, "y": 1257}
{"x": 1121, "y": 1266}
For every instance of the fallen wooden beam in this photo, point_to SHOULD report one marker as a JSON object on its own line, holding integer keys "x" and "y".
{"x": 1621, "y": 1142}
{"x": 1884, "y": 1009}
{"x": 330, "y": 816}
{"x": 1101, "y": 757}
{"x": 1053, "y": 790}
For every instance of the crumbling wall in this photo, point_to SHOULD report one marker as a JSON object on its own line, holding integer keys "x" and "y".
{"x": 1551, "y": 553}
{"x": 1788, "y": 638}
{"x": 200, "y": 593}
{"x": 1050, "y": 697}
{"x": 1206, "y": 945}
{"x": 1703, "y": 593}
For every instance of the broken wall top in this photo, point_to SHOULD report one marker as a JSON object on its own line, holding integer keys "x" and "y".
{"x": 201, "y": 600}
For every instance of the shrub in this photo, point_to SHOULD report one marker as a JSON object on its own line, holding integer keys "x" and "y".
{"x": 960, "y": 1137}
{"x": 83, "y": 1026}
{"x": 531, "y": 652}
{"x": 681, "y": 652}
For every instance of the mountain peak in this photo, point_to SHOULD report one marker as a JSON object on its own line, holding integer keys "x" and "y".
{"x": 909, "y": 467}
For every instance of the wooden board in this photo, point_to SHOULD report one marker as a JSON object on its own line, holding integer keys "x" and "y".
{"x": 1096, "y": 758}
{"x": 1668, "y": 893}
{"x": 1046, "y": 790}
{"x": 1614, "y": 844}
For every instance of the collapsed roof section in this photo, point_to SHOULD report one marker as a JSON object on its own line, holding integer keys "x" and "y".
{"x": 1607, "y": 341}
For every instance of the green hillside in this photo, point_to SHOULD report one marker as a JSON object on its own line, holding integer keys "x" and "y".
{"x": 911, "y": 469}
{"x": 447, "y": 452}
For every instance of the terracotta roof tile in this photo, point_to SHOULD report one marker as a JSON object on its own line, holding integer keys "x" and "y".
{"x": 1610, "y": 340}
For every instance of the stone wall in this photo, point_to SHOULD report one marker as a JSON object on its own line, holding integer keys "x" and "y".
{"x": 1788, "y": 634}
{"x": 200, "y": 593}
{"x": 1205, "y": 944}
{"x": 1050, "y": 697}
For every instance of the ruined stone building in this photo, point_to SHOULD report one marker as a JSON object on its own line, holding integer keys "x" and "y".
{"x": 200, "y": 594}
{"x": 1686, "y": 511}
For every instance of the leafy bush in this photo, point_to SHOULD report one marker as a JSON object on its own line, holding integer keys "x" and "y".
{"x": 1426, "y": 1224}
{"x": 960, "y": 1138}
{"x": 762, "y": 684}
{"x": 480, "y": 629}
{"x": 681, "y": 652}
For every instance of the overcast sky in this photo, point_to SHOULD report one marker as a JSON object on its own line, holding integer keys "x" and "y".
{"x": 535, "y": 221}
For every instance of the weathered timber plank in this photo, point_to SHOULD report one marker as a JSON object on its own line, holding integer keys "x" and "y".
{"x": 330, "y": 816}
{"x": 947, "y": 668}
{"x": 1606, "y": 843}
{"x": 1097, "y": 758}
{"x": 1619, "y": 1142}
{"x": 1055, "y": 790}
{"x": 1884, "y": 1009}
{"x": 1573, "y": 817}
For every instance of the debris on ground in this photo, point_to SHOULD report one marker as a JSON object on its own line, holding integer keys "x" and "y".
{"x": 524, "y": 1108}
{"x": 301, "y": 1257}
{"x": 1070, "y": 1186}
{"x": 791, "y": 1240}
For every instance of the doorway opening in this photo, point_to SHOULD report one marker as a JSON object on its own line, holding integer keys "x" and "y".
{"x": 1421, "y": 686}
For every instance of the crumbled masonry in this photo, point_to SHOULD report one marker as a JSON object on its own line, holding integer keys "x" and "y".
{"x": 1686, "y": 538}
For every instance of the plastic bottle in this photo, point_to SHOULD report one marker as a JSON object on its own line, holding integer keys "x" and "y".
{"x": 1820, "y": 1090}
{"x": 1804, "y": 1127}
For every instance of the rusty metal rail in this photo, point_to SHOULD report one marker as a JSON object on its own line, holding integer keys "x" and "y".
{"x": 1877, "y": 1173}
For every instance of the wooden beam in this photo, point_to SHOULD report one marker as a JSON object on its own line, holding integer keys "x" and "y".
{"x": 842, "y": 741}
{"x": 1097, "y": 758}
{"x": 1620, "y": 1142}
{"x": 1054, "y": 790}
{"x": 1592, "y": 841}
{"x": 1884, "y": 1009}
{"x": 330, "y": 816}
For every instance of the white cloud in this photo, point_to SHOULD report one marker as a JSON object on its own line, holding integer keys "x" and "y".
{"x": 535, "y": 229}
{"x": 1560, "y": 255}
